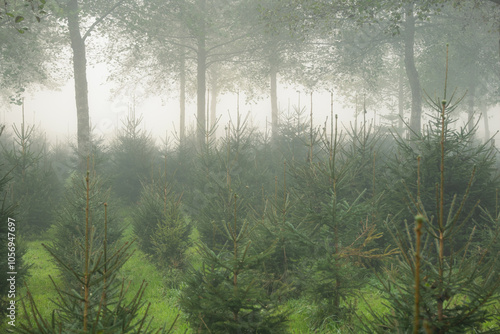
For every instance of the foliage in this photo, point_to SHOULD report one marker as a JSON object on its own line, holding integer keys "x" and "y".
{"x": 438, "y": 287}
{"x": 223, "y": 170}
{"x": 337, "y": 270}
{"x": 336, "y": 220}
{"x": 171, "y": 238}
{"x": 97, "y": 157}
{"x": 68, "y": 232}
{"x": 226, "y": 294}
{"x": 9, "y": 11}
{"x": 147, "y": 215}
{"x": 159, "y": 223}
{"x": 455, "y": 291}
{"x": 34, "y": 185}
{"x": 24, "y": 52}
{"x": 275, "y": 227}
{"x": 133, "y": 155}
{"x": 10, "y": 233}
{"x": 462, "y": 154}
{"x": 161, "y": 227}
{"x": 100, "y": 305}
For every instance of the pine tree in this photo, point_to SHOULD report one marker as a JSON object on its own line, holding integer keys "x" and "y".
{"x": 69, "y": 234}
{"x": 220, "y": 175}
{"x": 33, "y": 178}
{"x": 437, "y": 286}
{"x": 462, "y": 153}
{"x": 9, "y": 223}
{"x": 336, "y": 221}
{"x": 276, "y": 227}
{"x": 160, "y": 225}
{"x": 101, "y": 305}
{"x": 133, "y": 154}
{"x": 226, "y": 294}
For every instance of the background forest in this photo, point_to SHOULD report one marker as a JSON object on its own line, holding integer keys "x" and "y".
{"x": 384, "y": 224}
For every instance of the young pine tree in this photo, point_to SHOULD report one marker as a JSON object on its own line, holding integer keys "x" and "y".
{"x": 220, "y": 175}
{"x": 34, "y": 185}
{"x": 100, "y": 303}
{"x": 437, "y": 286}
{"x": 226, "y": 295}
{"x": 133, "y": 155}
{"x": 70, "y": 234}
{"x": 11, "y": 228}
{"x": 161, "y": 227}
{"x": 337, "y": 224}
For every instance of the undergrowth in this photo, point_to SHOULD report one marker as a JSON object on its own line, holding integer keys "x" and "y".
{"x": 164, "y": 308}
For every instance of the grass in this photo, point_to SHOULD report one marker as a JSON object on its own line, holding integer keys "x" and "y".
{"x": 163, "y": 307}
{"x": 163, "y": 301}
{"x": 38, "y": 281}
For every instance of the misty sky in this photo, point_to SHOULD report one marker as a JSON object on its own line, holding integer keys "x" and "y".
{"x": 55, "y": 111}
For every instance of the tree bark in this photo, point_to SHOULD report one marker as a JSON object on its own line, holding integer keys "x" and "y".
{"x": 201, "y": 80}
{"x": 81, "y": 86}
{"x": 470, "y": 112}
{"x": 401, "y": 97}
{"x": 214, "y": 89}
{"x": 486, "y": 123}
{"x": 182, "y": 98}
{"x": 274, "y": 99}
{"x": 411, "y": 71}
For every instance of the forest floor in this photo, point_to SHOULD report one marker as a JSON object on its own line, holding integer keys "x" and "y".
{"x": 164, "y": 306}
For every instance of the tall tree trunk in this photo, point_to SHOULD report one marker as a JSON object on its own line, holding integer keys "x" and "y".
{"x": 182, "y": 97}
{"x": 201, "y": 92}
{"x": 401, "y": 97}
{"x": 81, "y": 86}
{"x": 214, "y": 89}
{"x": 486, "y": 123}
{"x": 470, "y": 112}
{"x": 201, "y": 80}
{"x": 411, "y": 71}
{"x": 274, "y": 99}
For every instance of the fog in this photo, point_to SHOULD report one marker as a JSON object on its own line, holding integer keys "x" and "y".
{"x": 129, "y": 71}
{"x": 54, "y": 111}
{"x": 285, "y": 222}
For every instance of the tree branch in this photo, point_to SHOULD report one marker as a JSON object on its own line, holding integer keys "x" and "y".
{"x": 236, "y": 38}
{"x": 100, "y": 19}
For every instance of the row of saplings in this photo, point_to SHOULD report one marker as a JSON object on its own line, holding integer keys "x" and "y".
{"x": 251, "y": 263}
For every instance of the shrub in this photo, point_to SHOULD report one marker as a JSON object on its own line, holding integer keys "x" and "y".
{"x": 34, "y": 186}
{"x": 8, "y": 215}
{"x": 133, "y": 155}
{"x": 226, "y": 294}
{"x": 438, "y": 287}
{"x": 161, "y": 227}
{"x": 69, "y": 233}
{"x": 100, "y": 303}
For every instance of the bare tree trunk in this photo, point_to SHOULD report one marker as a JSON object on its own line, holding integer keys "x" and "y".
{"x": 401, "y": 97}
{"x": 470, "y": 112}
{"x": 214, "y": 86}
{"x": 201, "y": 92}
{"x": 486, "y": 123}
{"x": 411, "y": 71}
{"x": 81, "y": 86}
{"x": 274, "y": 99}
{"x": 201, "y": 81}
{"x": 182, "y": 97}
